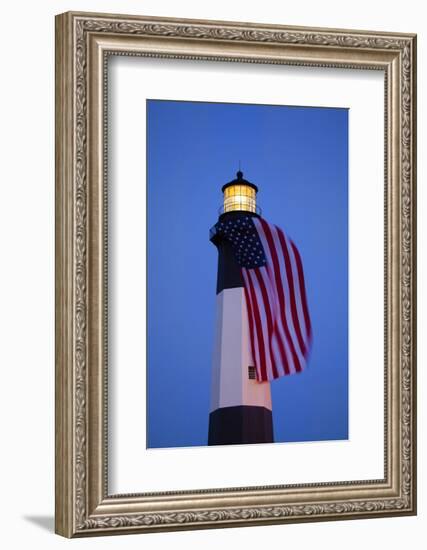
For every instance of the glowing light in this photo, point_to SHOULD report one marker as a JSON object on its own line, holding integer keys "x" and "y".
{"x": 239, "y": 197}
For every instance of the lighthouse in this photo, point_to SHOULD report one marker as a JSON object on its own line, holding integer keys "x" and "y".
{"x": 240, "y": 410}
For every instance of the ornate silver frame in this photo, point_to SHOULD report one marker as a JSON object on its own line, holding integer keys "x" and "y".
{"x": 83, "y": 505}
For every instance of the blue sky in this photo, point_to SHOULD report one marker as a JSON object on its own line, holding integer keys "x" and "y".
{"x": 298, "y": 158}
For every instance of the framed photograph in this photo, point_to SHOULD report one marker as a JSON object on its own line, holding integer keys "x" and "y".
{"x": 235, "y": 274}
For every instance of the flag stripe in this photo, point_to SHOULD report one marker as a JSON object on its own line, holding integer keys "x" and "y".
{"x": 279, "y": 276}
{"x": 256, "y": 355}
{"x": 251, "y": 325}
{"x": 302, "y": 289}
{"x": 290, "y": 279}
{"x": 261, "y": 366}
{"x": 268, "y": 300}
{"x": 262, "y": 308}
{"x": 295, "y": 276}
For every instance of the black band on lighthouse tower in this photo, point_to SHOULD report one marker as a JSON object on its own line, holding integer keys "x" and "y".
{"x": 241, "y": 424}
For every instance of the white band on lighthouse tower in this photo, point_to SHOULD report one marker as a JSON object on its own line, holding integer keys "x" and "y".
{"x": 233, "y": 373}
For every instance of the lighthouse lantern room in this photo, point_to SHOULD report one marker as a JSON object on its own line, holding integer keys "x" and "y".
{"x": 239, "y": 195}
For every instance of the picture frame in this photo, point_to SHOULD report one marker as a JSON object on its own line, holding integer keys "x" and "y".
{"x": 83, "y": 504}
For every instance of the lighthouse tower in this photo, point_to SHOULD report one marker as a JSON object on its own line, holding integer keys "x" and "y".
{"x": 240, "y": 405}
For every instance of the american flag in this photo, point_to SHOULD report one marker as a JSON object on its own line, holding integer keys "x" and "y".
{"x": 272, "y": 272}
